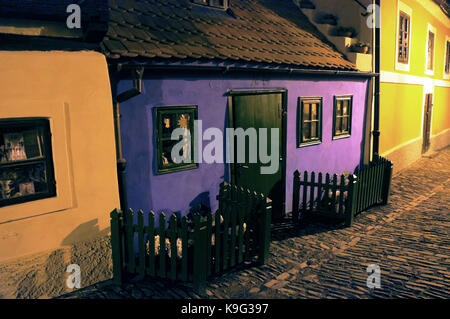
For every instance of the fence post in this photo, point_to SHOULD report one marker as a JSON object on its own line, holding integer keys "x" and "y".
{"x": 117, "y": 254}
{"x": 296, "y": 197}
{"x": 200, "y": 271}
{"x": 387, "y": 181}
{"x": 265, "y": 214}
{"x": 350, "y": 210}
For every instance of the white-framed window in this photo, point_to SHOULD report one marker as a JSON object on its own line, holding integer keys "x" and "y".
{"x": 430, "y": 50}
{"x": 403, "y": 37}
{"x": 447, "y": 58}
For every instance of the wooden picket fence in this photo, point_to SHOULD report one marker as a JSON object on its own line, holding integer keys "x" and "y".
{"x": 342, "y": 197}
{"x": 192, "y": 249}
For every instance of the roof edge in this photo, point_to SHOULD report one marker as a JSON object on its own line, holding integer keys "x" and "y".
{"x": 228, "y": 67}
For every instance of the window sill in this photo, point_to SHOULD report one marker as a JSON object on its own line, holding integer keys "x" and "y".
{"x": 26, "y": 199}
{"x": 340, "y": 137}
{"x": 306, "y": 144}
{"x": 401, "y": 66}
{"x": 429, "y": 72}
{"x": 186, "y": 167}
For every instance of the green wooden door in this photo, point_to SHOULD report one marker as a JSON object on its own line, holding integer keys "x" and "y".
{"x": 260, "y": 110}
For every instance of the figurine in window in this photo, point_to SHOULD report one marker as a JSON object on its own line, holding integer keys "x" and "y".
{"x": 8, "y": 185}
{"x": 167, "y": 122}
{"x": 165, "y": 160}
{"x": 183, "y": 122}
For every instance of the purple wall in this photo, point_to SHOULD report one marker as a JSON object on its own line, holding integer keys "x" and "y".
{"x": 175, "y": 191}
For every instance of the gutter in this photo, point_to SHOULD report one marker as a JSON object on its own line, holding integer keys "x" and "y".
{"x": 137, "y": 74}
{"x": 376, "y": 115}
{"x": 229, "y": 68}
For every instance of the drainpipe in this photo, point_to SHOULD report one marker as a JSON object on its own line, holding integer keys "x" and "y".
{"x": 136, "y": 74}
{"x": 376, "y": 120}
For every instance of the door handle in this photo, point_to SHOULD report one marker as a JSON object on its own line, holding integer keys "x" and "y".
{"x": 242, "y": 166}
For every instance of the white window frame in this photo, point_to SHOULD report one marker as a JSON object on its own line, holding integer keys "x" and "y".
{"x": 406, "y": 9}
{"x": 446, "y": 75}
{"x": 432, "y": 29}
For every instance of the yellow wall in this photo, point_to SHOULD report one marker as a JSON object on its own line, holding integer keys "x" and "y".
{"x": 72, "y": 90}
{"x": 441, "y": 110}
{"x": 402, "y": 91}
{"x": 396, "y": 118}
{"x": 419, "y": 21}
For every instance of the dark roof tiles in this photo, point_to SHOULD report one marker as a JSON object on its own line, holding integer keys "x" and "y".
{"x": 262, "y": 31}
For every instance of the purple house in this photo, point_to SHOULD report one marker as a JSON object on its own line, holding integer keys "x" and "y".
{"x": 197, "y": 68}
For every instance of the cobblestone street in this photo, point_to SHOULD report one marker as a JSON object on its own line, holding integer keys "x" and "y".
{"x": 409, "y": 239}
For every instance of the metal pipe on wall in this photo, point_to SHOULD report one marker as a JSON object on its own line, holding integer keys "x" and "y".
{"x": 137, "y": 74}
{"x": 376, "y": 122}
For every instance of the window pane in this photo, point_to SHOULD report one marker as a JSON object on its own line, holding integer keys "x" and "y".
{"x": 18, "y": 144}
{"x": 339, "y": 125}
{"x": 168, "y": 125}
{"x": 315, "y": 130}
{"x": 339, "y": 107}
{"x": 430, "y": 50}
{"x": 345, "y": 107}
{"x": 345, "y": 125}
{"x": 315, "y": 111}
{"x": 22, "y": 181}
{"x": 403, "y": 37}
{"x": 166, "y": 155}
{"x": 306, "y": 112}
{"x": 306, "y": 131}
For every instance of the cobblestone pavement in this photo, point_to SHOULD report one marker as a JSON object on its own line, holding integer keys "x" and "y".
{"x": 409, "y": 239}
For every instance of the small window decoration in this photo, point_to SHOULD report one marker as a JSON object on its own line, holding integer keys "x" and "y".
{"x": 213, "y": 3}
{"x": 403, "y": 37}
{"x": 26, "y": 164}
{"x": 342, "y": 122}
{"x": 430, "y": 51}
{"x": 169, "y": 119}
{"x": 310, "y": 125}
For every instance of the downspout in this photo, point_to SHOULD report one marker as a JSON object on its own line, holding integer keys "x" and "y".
{"x": 137, "y": 74}
{"x": 376, "y": 120}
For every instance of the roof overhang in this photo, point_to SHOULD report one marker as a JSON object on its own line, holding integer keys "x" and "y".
{"x": 26, "y": 27}
{"x": 226, "y": 67}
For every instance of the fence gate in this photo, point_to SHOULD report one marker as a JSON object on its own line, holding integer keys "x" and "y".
{"x": 342, "y": 197}
{"x": 192, "y": 249}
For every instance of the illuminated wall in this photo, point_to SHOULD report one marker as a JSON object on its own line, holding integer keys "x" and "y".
{"x": 403, "y": 87}
{"x": 72, "y": 90}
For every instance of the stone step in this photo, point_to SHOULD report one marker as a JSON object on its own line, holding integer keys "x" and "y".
{"x": 342, "y": 43}
{"x": 363, "y": 61}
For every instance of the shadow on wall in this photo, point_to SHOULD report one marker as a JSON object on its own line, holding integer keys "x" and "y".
{"x": 46, "y": 276}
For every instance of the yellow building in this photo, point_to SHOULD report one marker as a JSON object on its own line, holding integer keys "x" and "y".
{"x": 58, "y": 173}
{"x": 415, "y": 79}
